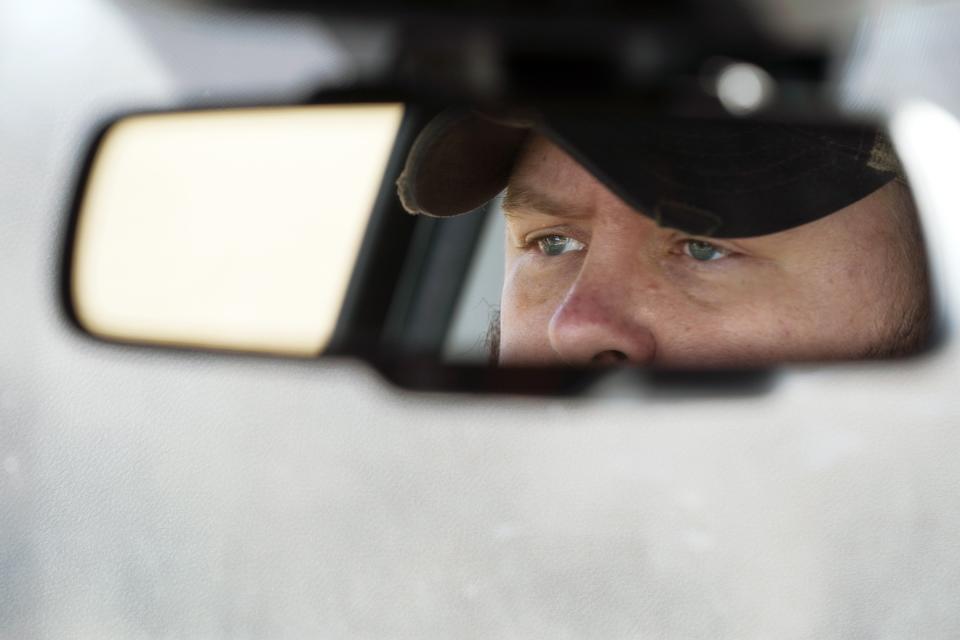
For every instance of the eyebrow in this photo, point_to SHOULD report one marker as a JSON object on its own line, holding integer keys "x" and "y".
{"x": 523, "y": 198}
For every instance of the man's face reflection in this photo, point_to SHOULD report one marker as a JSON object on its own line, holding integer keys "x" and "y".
{"x": 588, "y": 280}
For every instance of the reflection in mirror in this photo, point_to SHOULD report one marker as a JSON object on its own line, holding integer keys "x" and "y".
{"x": 234, "y": 229}
{"x": 678, "y": 243}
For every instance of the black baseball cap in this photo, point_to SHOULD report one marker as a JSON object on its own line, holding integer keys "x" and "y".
{"x": 706, "y": 176}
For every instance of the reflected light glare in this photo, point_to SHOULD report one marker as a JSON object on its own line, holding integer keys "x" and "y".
{"x": 231, "y": 229}
{"x": 927, "y": 137}
{"x": 744, "y": 88}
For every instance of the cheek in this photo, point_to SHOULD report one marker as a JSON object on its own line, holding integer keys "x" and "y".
{"x": 529, "y": 299}
{"x": 848, "y": 291}
{"x": 849, "y": 274}
{"x": 823, "y": 313}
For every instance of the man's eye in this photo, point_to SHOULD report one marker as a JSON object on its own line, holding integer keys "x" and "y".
{"x": 703, "y": 251}
{"x": 556, "y": 245}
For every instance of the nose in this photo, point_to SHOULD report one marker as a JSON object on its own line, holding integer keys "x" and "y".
{"x": 594, "y": 326}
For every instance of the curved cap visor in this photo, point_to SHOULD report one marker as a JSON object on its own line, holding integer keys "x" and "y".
{"x": 722, "y": 178}
{"x": 459, "y": 162}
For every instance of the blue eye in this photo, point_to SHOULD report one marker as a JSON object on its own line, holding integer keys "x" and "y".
{"x": 703, "y": 251}
{"x": 555, "y": 245}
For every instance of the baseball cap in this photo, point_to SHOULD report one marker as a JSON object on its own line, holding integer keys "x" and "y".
{"x": 706, "y": 176}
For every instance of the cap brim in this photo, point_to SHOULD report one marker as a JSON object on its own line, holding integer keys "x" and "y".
{"x": 460, "y": 161}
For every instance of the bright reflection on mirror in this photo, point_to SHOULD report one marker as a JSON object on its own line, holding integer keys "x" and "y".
{"x": 232, "y": 229}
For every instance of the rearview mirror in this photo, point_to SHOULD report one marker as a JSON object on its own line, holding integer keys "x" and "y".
{"x": 628, "y": 237}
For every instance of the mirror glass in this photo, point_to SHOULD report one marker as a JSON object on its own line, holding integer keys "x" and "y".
{"x": 228, "y": 229}
{"x": 555, "y": 236}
